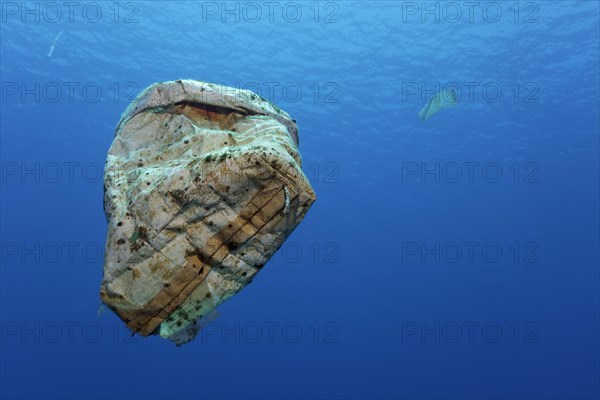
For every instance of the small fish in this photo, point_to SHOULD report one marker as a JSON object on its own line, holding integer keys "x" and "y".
{"x": 53, "y": 45}
{"x": 444, "y": 99}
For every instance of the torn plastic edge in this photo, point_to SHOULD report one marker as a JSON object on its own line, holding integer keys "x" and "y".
{"x": 141, "y": 104}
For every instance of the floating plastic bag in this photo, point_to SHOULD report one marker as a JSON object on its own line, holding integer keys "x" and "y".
{"x": 203, "y": 183}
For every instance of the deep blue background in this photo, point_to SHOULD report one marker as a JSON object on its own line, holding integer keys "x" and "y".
{"x": 353, "y": 282}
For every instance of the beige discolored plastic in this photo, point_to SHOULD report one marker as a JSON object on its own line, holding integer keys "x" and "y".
{"x": 203, "y": 183}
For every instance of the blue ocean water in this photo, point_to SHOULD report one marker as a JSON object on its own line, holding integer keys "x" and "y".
{"x": 451, "y": 258}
